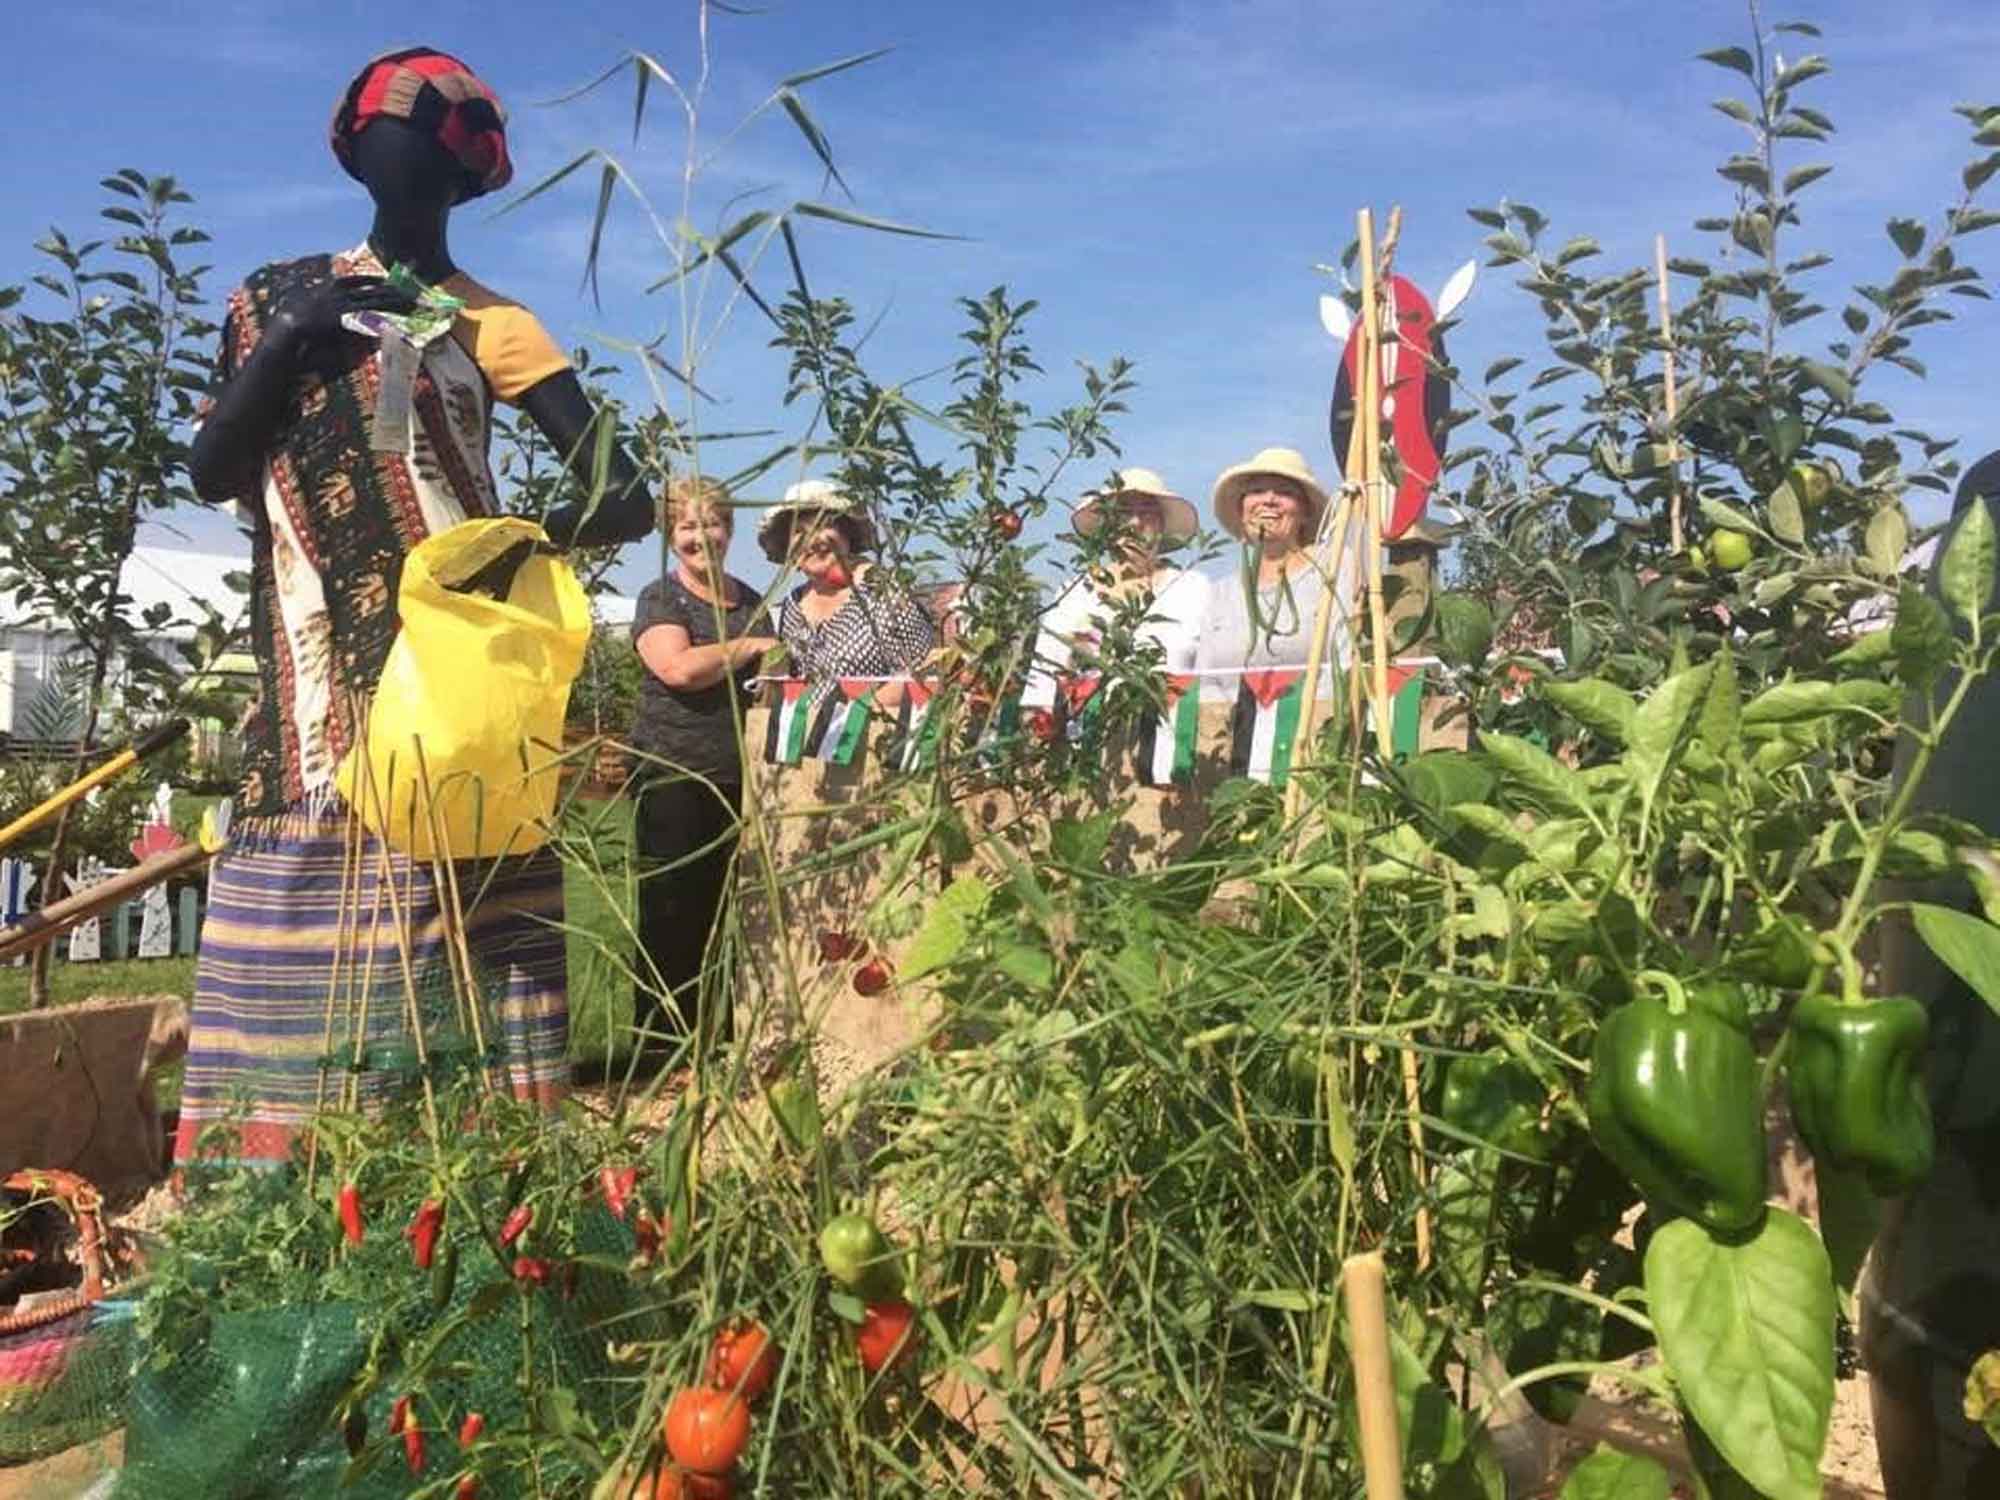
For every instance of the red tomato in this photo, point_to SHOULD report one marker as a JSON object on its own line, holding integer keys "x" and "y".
{"x": 706, "y": 1430}
{"x": 682, "y": 1484}
{"x": 871, "y": 978}
{"x": 886, "y": 1336}
{"x": 744, "y": 1359}
{"x": 835, "y": 946}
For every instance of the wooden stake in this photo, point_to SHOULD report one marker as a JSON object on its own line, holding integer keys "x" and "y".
{"x": 1367, "y": 375}
{"x": 1371, "y": 485}
{"x": 1672, "y": 395}
{"x": 1364, "y": 1284}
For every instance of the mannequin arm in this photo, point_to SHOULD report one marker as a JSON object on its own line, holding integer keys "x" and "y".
{"x": 562, "y": 413}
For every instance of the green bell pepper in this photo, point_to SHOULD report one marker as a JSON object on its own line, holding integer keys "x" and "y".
{"x": 1674, "y": 1100}
{"x": 1496, "y": 1099}
{"x": 1856, "y": 1074}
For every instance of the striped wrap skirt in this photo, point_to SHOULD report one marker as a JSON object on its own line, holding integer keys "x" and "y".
{"x": 319, "y": 946}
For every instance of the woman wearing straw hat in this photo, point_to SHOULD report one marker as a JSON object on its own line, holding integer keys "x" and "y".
{"x": 1274, "y": 505}
{"x": 1152, "y": 520}
{"x": 835, "y": 624}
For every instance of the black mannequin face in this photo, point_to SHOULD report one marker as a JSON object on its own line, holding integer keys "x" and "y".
{"x": 407, "y": 171}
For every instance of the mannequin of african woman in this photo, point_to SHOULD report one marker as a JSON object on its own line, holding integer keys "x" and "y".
{"x": 343, "y": 451}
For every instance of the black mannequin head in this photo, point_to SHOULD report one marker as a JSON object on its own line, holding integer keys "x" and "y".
{"x": 407, "y": 170}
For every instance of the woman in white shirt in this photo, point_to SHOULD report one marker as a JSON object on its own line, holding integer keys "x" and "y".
{"x": 1274, "y": 505}
{"x": 1175, "y": 598}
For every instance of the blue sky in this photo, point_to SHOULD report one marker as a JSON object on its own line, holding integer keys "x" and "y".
{"x": 1161, "y": 176}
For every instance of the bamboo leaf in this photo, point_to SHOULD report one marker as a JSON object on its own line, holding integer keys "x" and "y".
{"x": 865, "y": 221}
{"x": 827, "y": 70}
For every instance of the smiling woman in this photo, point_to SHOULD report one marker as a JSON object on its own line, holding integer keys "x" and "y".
{"x": 701, "y": 634}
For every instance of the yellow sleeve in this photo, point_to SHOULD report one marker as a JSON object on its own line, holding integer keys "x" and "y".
{"x": 508, "y": 342}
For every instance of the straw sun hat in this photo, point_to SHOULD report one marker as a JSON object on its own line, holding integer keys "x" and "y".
{"x": 811, "y": 497}
{"x": 1279, "y": 463}
{"x": 1179, "y": 519}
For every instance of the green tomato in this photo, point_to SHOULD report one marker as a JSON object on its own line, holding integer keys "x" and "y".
{"x": 1733, "y": 549}
{"x": 859, "y": 1258}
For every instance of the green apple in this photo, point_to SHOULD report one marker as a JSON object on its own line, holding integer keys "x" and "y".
{"x": 1732, "y": 549}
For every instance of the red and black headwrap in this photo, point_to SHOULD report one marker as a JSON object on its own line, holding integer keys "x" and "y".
{"x": 435, "y": 92}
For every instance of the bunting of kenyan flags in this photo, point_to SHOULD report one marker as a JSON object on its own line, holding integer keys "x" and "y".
{"x": 1264, "y": 725}
{"x": 1167, "y": 743}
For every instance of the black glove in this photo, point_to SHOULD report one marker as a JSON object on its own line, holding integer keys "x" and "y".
{"x": 310, "y": 319}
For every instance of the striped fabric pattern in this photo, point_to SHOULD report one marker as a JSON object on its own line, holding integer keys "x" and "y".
{"x": 268, "y": 965}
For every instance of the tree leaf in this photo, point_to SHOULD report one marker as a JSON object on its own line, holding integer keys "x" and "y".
{"x": 1746, "y": 1330}
{"x": 1604, "y": 708}
{"x": 1788, "y": 521}
{"x": 1657, "y": 727}
{"x": 1546, "y": 778}
{"x": 1734, "y": 58}
{"x": 1609, "y": 1474}
{"x": 1888, "y": 538}
{"x": 1464, "y": 1188}
{"x": 1921, "y": 636}
{"x": 1729, "y": 517}
{"x": 1965, "y": 945}
{"x": 1965, "y": 572}
{"x": 1464, "y": 628}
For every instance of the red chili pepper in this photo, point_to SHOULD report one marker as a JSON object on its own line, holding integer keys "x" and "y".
{"x": 569, "y": 1275}
{"x": 350, "y": 1213}
{"x": 532, "y": 1268}
{"x": 413, "y": 1448}
{"x": 516, "y": 1225}
{"x": 616, "y": 1183}
{"x": 470, "y": 1428}
{"x": 423, "y": 1232}
{"x": 399, "y": 1415}
{"x": 468, "y": 1488}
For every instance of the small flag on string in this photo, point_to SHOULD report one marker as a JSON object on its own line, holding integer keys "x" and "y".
{"x": 1264, "y": 725}
{"x": 843, "y": 721}
{"x": 785, "y": 731}
{"x": 916, "y": 736}
{"x": 1167, "y": 741}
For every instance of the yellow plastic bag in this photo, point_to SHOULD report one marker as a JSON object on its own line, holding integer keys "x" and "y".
{"x": 471, "y": 701}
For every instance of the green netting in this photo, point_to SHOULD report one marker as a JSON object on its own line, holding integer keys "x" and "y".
{"x": 65, "y": 1383}
{"x": 246, "y": 1409}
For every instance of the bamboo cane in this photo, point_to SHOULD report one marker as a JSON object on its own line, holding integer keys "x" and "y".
{"x": 53, "y": 920}
{"x": 1378, "y": 614}
{"x": 1334, "y": 545}
{"x": 1362, "y": 1280}
{"x": 350, "y": 887}
{"x": 1672, "y": 394}
{"x": 117, "y": 765}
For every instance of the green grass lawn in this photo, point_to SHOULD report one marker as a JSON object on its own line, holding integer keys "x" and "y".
{"x": 69, "y": 983}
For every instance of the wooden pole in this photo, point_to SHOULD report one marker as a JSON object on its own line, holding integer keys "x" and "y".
{"x": 1371, "y": 483}
{"x": 1364, "y": 1284}
{"x": 44, "y": 926}
{"x": 1672, "y": 395}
